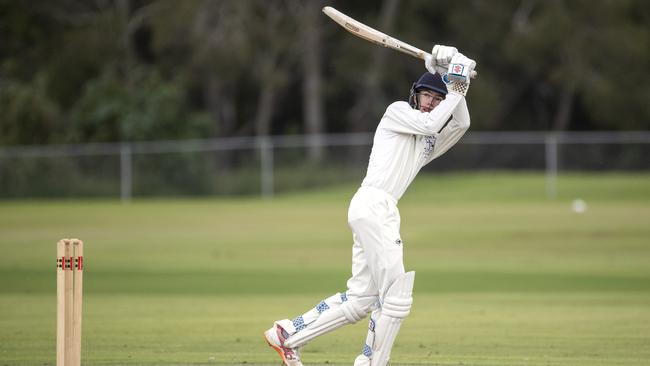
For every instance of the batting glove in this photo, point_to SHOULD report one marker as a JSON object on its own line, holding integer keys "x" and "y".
{"x": 443, "y": 54}
{"x": 460, "y": 68}
{"x": 439, "y": 59}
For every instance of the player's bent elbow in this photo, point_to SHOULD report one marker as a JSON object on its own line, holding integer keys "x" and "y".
{"x": 464, "y": 124}
{"x": 431, "y": 128}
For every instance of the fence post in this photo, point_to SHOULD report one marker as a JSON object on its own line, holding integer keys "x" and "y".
{"x": 551, "y": 164}
{"x": 126, "y": 176}
{"x": 265, "y": 145}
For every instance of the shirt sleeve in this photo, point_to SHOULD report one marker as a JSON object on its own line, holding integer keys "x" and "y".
{"x": 454, "y": 130}
{"x": 400, "y": 117}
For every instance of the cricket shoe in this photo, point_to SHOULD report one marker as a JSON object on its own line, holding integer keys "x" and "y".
{"x": 362, "y": 360}
{"x": 275, "y": 337}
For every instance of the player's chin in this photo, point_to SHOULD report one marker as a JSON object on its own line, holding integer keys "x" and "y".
{"x": 426, "y": 109}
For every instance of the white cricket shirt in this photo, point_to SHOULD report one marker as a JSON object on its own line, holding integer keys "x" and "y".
{"x": 407, "y": 139}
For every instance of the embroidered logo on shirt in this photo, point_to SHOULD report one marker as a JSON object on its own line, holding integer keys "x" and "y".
{"x": 398, "y": 241}
{"x": 429, "y": 143}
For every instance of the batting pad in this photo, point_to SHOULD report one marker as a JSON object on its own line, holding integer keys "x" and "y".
{"x": 396, "y": 307}
{"x": 331, "y": 313}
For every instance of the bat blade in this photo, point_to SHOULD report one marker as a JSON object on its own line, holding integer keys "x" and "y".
{"x": 372, "y": 35}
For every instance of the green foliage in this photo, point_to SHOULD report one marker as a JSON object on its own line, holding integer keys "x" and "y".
{"x": 59, "y": 177}
{"x": 137, "y": 70}
{"x": 142, "y": 108}
{"x": 29, "y": 116}
{"x": 165, "y": 174}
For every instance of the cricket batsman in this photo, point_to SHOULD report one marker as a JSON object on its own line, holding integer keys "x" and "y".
{"x": 409, "y": 136}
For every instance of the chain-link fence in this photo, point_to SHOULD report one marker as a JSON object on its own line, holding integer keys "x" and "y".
{"x": 266, "y": 165}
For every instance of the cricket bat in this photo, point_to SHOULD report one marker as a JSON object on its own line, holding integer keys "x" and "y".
{"x": 372, "y": 35}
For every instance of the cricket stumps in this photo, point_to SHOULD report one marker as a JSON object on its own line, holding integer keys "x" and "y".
{"x": 69, "y": 288}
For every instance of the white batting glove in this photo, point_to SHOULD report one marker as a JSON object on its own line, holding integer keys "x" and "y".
{"x": 443, "y": 54}
{"x": 430, "y": 65}
{"x": 460, "y": 68}
{"x": 439, "y": 59}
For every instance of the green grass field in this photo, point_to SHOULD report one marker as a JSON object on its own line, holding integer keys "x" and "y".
{"x": 504, "y": 275}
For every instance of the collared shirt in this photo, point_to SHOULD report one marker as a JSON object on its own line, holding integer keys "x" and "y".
{"x": 407, "y": 139}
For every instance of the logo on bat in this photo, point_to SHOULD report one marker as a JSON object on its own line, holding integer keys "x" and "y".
{"x": 352, "y": 27}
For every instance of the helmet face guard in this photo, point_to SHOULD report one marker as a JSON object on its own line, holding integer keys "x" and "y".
{"x": 413, "y": 98}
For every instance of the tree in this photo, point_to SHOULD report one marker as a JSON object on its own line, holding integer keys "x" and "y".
{"x": 271, "y": 67}
{"x": 369, "y": 95}
{"x": 309, "y": 21}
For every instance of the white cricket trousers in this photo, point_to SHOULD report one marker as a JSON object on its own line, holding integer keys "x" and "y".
{"x": 377, "y": 256}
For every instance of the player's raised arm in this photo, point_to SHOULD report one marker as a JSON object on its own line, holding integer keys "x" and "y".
{"x": 400, "y": 117}
{"x": 453, "y": 131}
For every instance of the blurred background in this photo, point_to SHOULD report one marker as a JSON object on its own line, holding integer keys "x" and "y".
{"x": 158, "y": 98}
{"x": 529, "y": 237}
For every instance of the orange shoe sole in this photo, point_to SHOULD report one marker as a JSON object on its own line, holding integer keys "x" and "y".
{"x": 277, "y": 349}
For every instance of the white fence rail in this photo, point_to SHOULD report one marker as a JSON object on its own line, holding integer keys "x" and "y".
{"x": 266, "y": 148}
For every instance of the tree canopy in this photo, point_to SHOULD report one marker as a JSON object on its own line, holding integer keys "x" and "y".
{"x": 126, "y": 70}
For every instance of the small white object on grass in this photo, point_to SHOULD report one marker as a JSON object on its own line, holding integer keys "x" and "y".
{"x": 579, "y": 206}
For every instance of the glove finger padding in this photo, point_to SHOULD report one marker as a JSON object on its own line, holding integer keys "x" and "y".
{"x": 432, "y": 67}
{"x": 443, "y": 54}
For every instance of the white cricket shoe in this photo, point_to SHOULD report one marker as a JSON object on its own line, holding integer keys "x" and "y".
{"x": 275, "y": 338}
{"x": 362, "y": 360}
